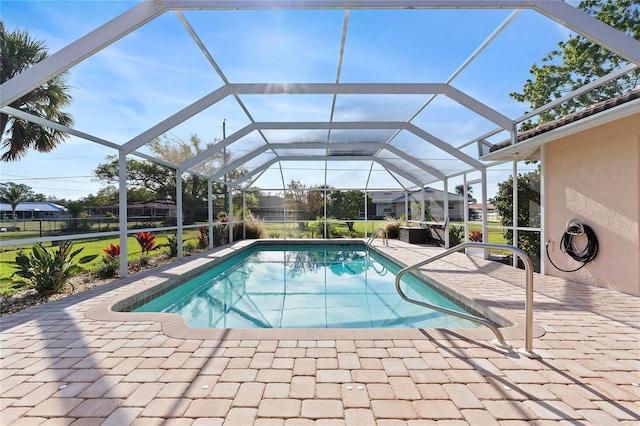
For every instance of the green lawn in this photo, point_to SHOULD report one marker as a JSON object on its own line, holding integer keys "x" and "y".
{"x": 89, "y": 247}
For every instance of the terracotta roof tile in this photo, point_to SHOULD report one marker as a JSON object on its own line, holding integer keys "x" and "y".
{"x": 570, "y": 118}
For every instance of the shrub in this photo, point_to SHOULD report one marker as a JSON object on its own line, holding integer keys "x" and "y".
{"x": 203, "y": 237}
{"x": 50, "y": 271}
{"x": 456, "y": 233}
{"x": 476, "y": 236}
{"x": 220, "y": 235}
{"x": 317, "y": 228}
{"x": 334, "y": 230}
{"x": 108, "y": 268}
{"x": 189, "y": 248}
{"x": 147, "y": 242}
{"x": 110, "y": 265}
{"x": 171, "y": 246}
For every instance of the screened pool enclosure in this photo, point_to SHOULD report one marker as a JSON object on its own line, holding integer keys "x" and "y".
{"x": 297, "y": 100}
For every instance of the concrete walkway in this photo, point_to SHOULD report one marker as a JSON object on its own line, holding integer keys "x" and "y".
{"x": 61, "y": 366}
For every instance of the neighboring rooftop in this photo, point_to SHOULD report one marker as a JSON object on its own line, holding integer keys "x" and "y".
{"x": 33, "y": 206}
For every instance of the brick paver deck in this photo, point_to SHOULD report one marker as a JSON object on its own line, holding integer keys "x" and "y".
{"x": 69, "y": 362}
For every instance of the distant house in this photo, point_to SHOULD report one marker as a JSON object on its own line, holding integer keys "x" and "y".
{"x": 270, "y": 207}
{"x": 475, "y": 212}
{"x": 33, "y": 210}
{"x": 159, "y": 208}
{"x": 392, "y": 203}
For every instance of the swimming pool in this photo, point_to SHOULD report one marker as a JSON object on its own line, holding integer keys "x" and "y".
{"x": 304, "y": 286}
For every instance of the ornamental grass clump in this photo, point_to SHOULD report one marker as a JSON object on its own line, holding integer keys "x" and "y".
{"x": 392, "y": 227}
{"x": 49, "y": 271}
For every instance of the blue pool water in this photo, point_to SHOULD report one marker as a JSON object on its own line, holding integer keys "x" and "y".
{"x": 304, "y": 286}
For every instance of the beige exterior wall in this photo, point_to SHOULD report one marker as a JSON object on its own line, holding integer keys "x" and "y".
{"x": 593, "y": 176}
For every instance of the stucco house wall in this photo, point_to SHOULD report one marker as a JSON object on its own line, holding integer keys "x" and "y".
{"x": 593, "y": 176}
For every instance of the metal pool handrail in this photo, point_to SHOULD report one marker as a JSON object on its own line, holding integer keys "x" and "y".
{"x": 500, "y": 342}
{"x": 385, "y": 239}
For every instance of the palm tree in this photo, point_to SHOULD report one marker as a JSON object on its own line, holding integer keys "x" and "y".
{"x": 19, "y": 51}
{"x": 14, "y": 195}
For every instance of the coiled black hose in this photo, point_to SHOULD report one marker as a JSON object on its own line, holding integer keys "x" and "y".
{"x": 585, "y": 256}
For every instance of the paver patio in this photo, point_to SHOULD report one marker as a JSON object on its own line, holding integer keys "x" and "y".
{"x": 62, "y": 364}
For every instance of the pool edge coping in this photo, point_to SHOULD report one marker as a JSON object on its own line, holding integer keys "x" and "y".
{"x": 175, "y": 326}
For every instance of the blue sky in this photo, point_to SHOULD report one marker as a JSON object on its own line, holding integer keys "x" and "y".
{"x": 157, "y": 70}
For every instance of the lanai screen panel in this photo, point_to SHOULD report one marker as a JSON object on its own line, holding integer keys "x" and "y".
{"x": 413, "y": 166}
{"x": 365, "y": 135}
{"x": 377, "y": 107}
{"x": 271, "y": 46}
{"x": 309, "y": 173}
{"x": 528, "y": 39}
{"x": 380, "y": 178}
{"x": 207, "y": 127}
{"x": 452, "y": 122}
{"x": 130, "y": 87}
{"x": 427, "y": 153}
{"x": 291, "y": 136}
{"x": 412, "y": 45}
{"x": 288, "y": 108}
{"x": 347, "y": 174}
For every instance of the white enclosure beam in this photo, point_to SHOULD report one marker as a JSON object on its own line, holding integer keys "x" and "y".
{"x": 431, "y": 170}
{"x": 230, "y": 215}
{"x": 210, "y": 211}
{"x": 406, "y": 207}
{"x": 122, "y": 213}
{"x": 584, "y": 89}
{"x": 203, "y": 155}
{"x": 397, "y": 170}
{"x": 79, "y": 50}
{"x": 255, "y": 171}
{"x": 439, "y": 143}
{"x": 478, "y": 107}
{"x": 345, "y": 4}
{"x": 48, "y": 123}
{"x": 337, "y": 88}
{"x": 382, "y": 162}
{"x": 433, "y": 140}
{"x": 324, "y": 125}
{"x": 14, "y": 112}
{"x": 179, "y": 206}
{"x": 296, "y": 145}
{"x": 445, "y": 212}
{"x": 595, "y": 30}
{"x": 559, "y": 11}
{"x": 171, "y": 122}
{"x": 319, "y": 145}
{"x": 239, "y": 162}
